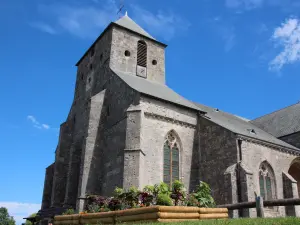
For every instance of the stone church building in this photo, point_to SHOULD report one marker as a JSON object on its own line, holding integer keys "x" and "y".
{"x": 127, "y": 128}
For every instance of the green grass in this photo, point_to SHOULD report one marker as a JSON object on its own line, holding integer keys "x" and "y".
{"x": 248, "y": 221}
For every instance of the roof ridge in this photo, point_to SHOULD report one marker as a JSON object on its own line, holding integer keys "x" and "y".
{"x": 275, "y": 111}
{"x": 258, "y": 136}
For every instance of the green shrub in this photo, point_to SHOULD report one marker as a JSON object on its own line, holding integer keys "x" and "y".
{"x": 202, "y": 196}
{"x": 178, "y": 192}
{"x": 69, "y": 212}
{"x": 164, "y": 199}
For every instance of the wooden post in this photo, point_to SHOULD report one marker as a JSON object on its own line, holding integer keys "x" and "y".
{"x": 260, "y": 207}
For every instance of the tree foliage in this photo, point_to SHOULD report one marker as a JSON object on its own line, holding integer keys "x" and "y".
{"x": 5, "y": 218}
{"x": 28, "y": 222}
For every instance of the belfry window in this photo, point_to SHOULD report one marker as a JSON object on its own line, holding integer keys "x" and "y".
{"x": 142, "y": 54}
{"x": 171, "y": 158}
{"x": 267, "y": 182}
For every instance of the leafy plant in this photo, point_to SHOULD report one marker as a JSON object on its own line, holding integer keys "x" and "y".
{"x": 191, "y": 200}
{"x": 203, "y": 195}
{"x": 5, "y": 218}
{"x": 69, "y": 212}
{"x": 162, "y": 188}
{"x": 178, "y": 192}
{"x": 132, "y": 197}
{"x": 27, "y": 221}
{"x": 115, "y": 204}
{"x": 93, "y": 208}
{"x": 164, "y": 199}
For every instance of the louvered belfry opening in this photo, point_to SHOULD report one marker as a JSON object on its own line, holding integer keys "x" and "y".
{"x": 142, "y": 54}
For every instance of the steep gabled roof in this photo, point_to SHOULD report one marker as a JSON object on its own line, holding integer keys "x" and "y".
{"x": 154, "y": 89}
{"x": 282, "y": 122}
{"x": 128, "y": 23}
{"x": 241, "y": 126}
{"x": 231, "y": 122}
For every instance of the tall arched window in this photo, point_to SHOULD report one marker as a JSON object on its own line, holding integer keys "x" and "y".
{"x": 171, "y": 158}
{"x": 142, "y": 54}
{"x": 267, "y": 182}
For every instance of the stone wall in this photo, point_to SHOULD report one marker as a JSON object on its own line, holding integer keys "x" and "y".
{"x": 61, "y": 165}
{"x": 158, "y": 119}
{"x": 123, "y": 40}
{"x": 218, "y": 153}
{"x": 293, "y": 139}
{"x": 253, "y": 154}
{"x": 46, "y": 202}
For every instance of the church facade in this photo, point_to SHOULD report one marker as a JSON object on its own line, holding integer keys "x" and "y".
{"x": 127, "y": 128}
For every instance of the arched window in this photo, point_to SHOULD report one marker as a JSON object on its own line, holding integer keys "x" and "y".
{"x": 142, "y": 54}
{"x": 267, "y": 182}
{"x": 171, "y": 158}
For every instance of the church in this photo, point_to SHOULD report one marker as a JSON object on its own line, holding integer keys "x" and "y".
{"x": 126, "y": 128}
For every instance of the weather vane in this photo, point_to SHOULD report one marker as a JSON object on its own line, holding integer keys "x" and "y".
{"x": 121, "y": 7}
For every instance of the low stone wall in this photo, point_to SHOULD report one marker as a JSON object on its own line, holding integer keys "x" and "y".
{"x": 146, "y": 214}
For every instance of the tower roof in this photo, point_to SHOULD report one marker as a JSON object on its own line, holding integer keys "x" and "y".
{"x": 129, "y": 24}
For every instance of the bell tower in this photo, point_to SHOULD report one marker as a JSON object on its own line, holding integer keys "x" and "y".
{"x": 135, "y": 52}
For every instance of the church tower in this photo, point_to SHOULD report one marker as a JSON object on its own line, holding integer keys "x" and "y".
{"x": 101, "y": 136}
{"x": 101, "y": 103}
{"x": 129, "y": 49}
{"x": 135, "y": 51}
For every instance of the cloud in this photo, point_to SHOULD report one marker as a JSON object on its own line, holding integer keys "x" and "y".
{"x": 245, "y": 4}
{"x": 286, "y": 36}
{"x": 229, "y": 37}
{"x": 43, "y": 27}
{"x": 162, "y": 24}
{"x": 226, "y": 31}
{"x": 88, "y": 19}
{"x": 20, "y": 210}
{"x": 84, "y": 21}
{"x": 37, "y": 124}
{"x": 45, "y": 126}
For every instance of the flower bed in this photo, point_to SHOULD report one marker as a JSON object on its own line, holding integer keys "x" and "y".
{"x": 154, "y": 203}
{"x": 146, "y": 214}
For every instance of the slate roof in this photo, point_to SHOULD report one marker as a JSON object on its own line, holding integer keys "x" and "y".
{"x": 155, "y": 89}
{"x": 241, "y": 126}
{"x": 128, "y": 23}
{"x": 231, "y": 122}
{"x": 282, "y": 122}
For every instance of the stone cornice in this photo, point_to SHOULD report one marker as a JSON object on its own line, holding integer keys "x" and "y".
{"x": 134, "y": 150}
{"x": 169, "y": 120}
{"x": 268, "y": 144}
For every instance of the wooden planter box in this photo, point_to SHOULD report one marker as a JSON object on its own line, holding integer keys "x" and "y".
{"x": 146, "y": 214}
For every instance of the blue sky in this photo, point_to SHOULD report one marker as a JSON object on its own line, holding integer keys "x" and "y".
{"x": 241, "y": 56}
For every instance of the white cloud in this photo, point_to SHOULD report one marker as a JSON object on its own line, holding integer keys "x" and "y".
{"x": 37, "y": 124}
{"x": 286, "y": 36}
{"x": 20, "y": 210}
{"x": 162, "y": 24}
{"x": 245, "y": 4}
{"x": 229, "y": 37}
{"x": 45, "y": 126}
{"x": 32, "y": 119}
{"x": 87, "y": 20}
{"x": 84, "y": 21}
{"x": 225, "y": 31}
{"x": 43, "y": 27}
